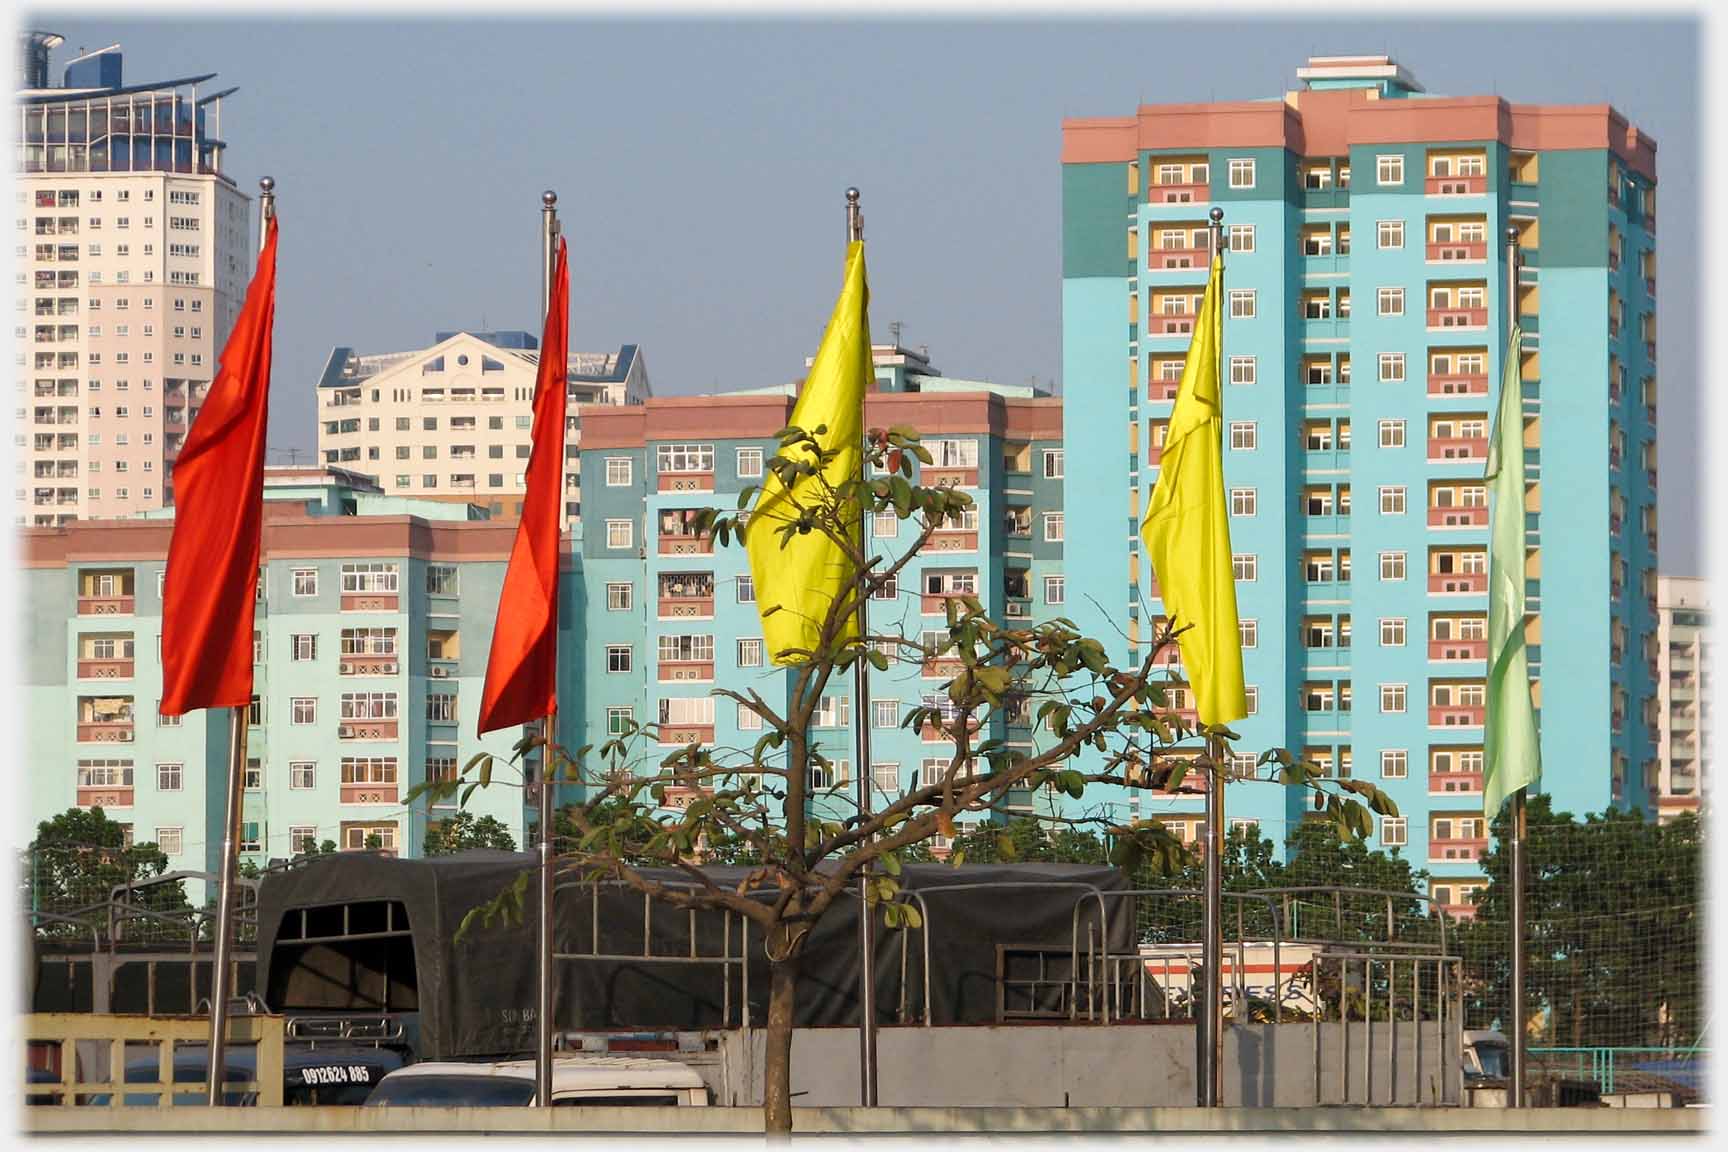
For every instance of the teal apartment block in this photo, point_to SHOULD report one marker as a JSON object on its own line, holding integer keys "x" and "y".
{"x": 374, "y": 620}
{"x": 666, "y": 616}
{"x": 1366, "y": 321}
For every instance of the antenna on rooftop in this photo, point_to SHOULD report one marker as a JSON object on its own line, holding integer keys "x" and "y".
{"x": 894, "y": 328}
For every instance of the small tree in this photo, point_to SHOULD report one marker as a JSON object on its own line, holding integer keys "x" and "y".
{"x": 776, "y": 806}
{"x": 78, "y": 858}
{"x": 463, "y": 831}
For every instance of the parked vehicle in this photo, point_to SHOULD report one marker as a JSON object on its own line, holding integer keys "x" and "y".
{"x": 327, "y": 1074}
{"x": 577, "y": 1081}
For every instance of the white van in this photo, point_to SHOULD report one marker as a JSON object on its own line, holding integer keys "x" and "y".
{"x": 577, "y": 1082}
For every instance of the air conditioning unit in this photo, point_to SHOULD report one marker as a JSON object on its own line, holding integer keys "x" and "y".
{"x": 390, "y": 668}
{"x": 344, "y": 731}
{"x": 439, "y": 673}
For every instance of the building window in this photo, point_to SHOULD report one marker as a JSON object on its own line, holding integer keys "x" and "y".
{"x": 1392, "y": 697}
{"x": 1394, "y": 764}
{"x": 302, "y": 774}
{"x": 1391, "y": 367}
{"x": 1392, "y": 632}
{"x": 441, "y": 579}
{"x": 749, "y": 720}
{"x": 746, "y": 589}
{"x": 1242, "y": 173}
{"x": 1241, "y": 237}
{"x": 302, "y": 839}
{"x": 749, "y": 463}
{"x": 1053, "y": 527}
{"x": 617, "y": 471}
{"x": 1391, "y": 433}
{"x": 305, "y": 582}
{"x": 1249, "y": 633}
{"x": 1243, "y": 369}
{"x": 1055, "y": 589}
{"x": 618, "y": 658}
{"x": 359, "y": 579}
{"x": 619, "y": 719}
{"x": 620, "y": 533}
{"x": 1245, "y": 566}
{"x": 885, "y": 777}
{"x": 618, "y": 597}
{"x": 1243, "y": 501}
{"x": 1392, "y": 500}
{"x": 1394, "y": 831}
{"x": 884, "y": 713}
{"x": 254, "y": 776}
{"x": 1242, "y": 435}
{"x": 750, "y": 653}
{"x": 170, "y": 777}
{"x": 1389, "y": 234}
{"x": 161, "y": 720}
{"x": 303, "y": 710}
{"x": 884, "y": 525}
{"x": 1251, "y": 697}
{"x": 305, "y": 647}
{"x": 1390, "y": 301}
{"x": 1242, "y": 303}
{"x": 170, "y": 841}
{"x": 1389, "y": 170}
{"x": 832, "y": 712}
{"x": 1052, "y": 463}
{"x": 1391, "y": 565}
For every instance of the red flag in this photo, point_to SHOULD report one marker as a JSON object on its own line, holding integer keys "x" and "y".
{"x": 212, "y": 583}
{"x": 522, "y": 670}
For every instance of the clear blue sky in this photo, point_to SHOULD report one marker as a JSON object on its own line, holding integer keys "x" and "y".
{"x": 701, "y": 167}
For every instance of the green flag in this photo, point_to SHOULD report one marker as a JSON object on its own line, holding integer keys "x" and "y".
{"x": 1512, "y": 759}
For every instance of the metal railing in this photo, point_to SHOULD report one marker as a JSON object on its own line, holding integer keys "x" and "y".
{"x": 79, "y": 1059}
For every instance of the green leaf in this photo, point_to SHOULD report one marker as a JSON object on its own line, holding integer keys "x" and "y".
{"x": 891, "y": 863}
{"x": 745, "y": 495}
{"x": 910, "y": 917}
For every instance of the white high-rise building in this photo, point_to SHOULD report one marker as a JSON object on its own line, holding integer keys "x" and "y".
{"x": 133, "y": 254}
{"x": 453, "y": 421}
{"x": 1683, "y": 693}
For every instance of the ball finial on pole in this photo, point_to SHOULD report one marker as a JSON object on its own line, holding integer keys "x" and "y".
{"x": 267, "y": 185}
{"x": 549, "y": 198}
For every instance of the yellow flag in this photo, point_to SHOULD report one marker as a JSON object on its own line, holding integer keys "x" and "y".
{"x": 1187, "y": 525}
{"x": 797, "y": 583}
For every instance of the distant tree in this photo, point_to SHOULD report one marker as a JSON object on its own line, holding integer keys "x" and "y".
{"x": 463, "y": 831}
{"x": 78, "y": 857}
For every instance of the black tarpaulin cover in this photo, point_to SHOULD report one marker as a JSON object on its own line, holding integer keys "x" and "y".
{"x": 476, "y": 998}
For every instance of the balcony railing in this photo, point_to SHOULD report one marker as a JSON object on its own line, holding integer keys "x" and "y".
{"x": 686, "y": 607}
{"x": 369, "y": 601}
{"x": 675, "y": 545}
{"x": 686, "y": 482}
{"x": 109, "y": 669}
{"x": 1167, "y": 258}
{"x": 1457, "y": 849}
{"x": 943, "y": 666}
{"x": 686, "y": 671}
{"x": 368, "y": 666}
{"x": 936, "y": 603}
{"x": 1457, "y": 649}
{"x": 1455, "y": 716}
{"x": 1454, "y": 783}
{"x": 1457, "y": 317}
{"x": 1179, "y": 193}
{"x": 368, "y": 729}
{"x": 1457, "y": 517}
{"x": 369, "y": 794}
{"x": 105, "y": 605}
{"x": 114, "y": 797}
{"x": 1162, "y": 389}
{"x": 953, "y": 540}
{"x": 1457, "y": 250}
{"x": 1457, "y": 448}
{"x": 936, "y": 733}
{"x": 949, "y": 476}
{"x": 1456, "y": 185}
{"x": 105, "y": 732}
{"x": 1181, "y": 324}
{"x": 686, "y": 733}
{"x": 1458, "y": 911}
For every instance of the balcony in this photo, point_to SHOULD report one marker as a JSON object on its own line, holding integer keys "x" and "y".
{"x": 1650, "y": 351}
{"x": 953, "y": 540}
{"x": 1457, "y": 517}
{"x": 94, "y": 669}
{"x": 686, "y": 607}
{"x": 1457, "y": 448}
{"x": 686, "y": 671}
{"x": 367, "y": 730}
{"x": 1442, "y": 850}
{"x": 1457, "y": 317}
{"x": 117, "y": 796}
{"x": 369, "y": 601}
{"x": 1457, "y": 252}
{"x": 936, "y": 603}
{"x": 1454, "y": 783}
{"x": 1457, "y": 911}
{"x": 948, "y": 476}
{"x": 1455, "y": 716}
{"x": 945, "y": 731}
{"x": 1177, "y": 258}
{"x": 105, "y": 732}
{"x": 686, "y": 482}
{"x": 1162, "y": 390}
{"x": 369, "y": 794}
{"x": 368, "y": 666}
{"x": 1178, "y": 193}
{"x": 686, "y": 734}
{"x": 680, "y": 545}
{"x": 104, "y": 605}
{"x": 1179, "y": 324}
{"x": 1456, "y": 185}
{"x": 1457, "y": 649}
{"x": 943, "y": 667}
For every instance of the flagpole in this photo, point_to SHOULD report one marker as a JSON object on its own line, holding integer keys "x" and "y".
{"x": 222, "y": 959}
{"x": 1210, "y": 1083}
{"x": 543, "y": 1008}
{"x": 1515, "y": 1095}
{"x": 861, "y": 720}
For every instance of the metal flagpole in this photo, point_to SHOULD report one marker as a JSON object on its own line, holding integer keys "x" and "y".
{"x": 222, "y": 960}
{"x": 1515, "y": 1095}
{"x": 543, "y": 1008}
{"x": 1209, "y": 1084}
{"x": 861, "y": 720}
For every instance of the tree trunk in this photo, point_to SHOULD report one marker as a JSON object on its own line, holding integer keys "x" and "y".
{"x": 777, "y": 1065}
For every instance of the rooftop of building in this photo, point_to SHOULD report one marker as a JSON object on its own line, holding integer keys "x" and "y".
{"x": 903, "y": 369}
{"x": 345, "y": 367}
{"x": 326, "y": 490}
